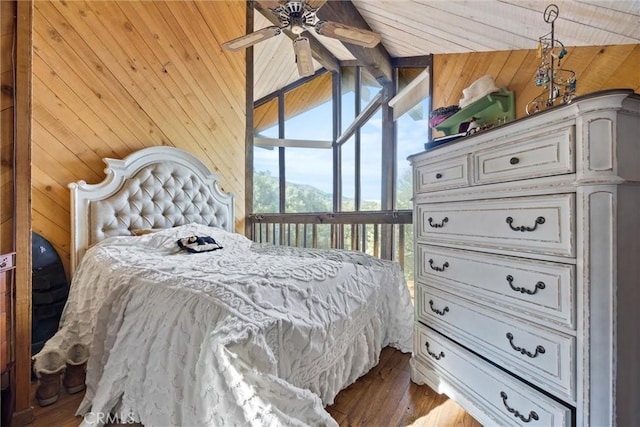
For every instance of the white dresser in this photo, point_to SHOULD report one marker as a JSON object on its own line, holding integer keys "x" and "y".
{"x": 527, "y": 246}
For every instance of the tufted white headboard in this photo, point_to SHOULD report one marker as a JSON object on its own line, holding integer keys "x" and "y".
{"x": 156, "y": 187}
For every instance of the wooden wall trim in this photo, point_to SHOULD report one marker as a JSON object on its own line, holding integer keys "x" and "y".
{"x": 597, "y": 68}
{"x": 248, "y": 133}
{"x": 23, "y": 111}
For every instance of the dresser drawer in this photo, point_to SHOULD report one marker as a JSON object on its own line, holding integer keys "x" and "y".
{"x": 489, "y": 394}
{"x": 441, "y": 175}
{"x": 546, "y": 155}
{"x": 542, "y": 356}
{"x": 526, "y": 288}
{"x": 542, "y": 224}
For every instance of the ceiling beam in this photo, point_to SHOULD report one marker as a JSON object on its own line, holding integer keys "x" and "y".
{"x": 375, "y": 60}
{"x": 413, "y": 61}
{"x": 320, "y": 53}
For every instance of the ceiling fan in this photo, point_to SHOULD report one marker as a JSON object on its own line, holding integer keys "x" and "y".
{"x": 299, "y": 16}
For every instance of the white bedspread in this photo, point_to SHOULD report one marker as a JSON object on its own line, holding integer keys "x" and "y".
{"x": 247, "y": 335}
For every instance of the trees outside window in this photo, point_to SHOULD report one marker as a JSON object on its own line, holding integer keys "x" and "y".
{"x": 303, "y": 130}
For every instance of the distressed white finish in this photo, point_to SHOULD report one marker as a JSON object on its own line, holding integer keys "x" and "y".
{"x": 156, "y": 187}
{"x": 485, "y": 330}
{"x": 585, "y": 316}
{"x": 483, "y": 223}
{"x": 485, "y": 276}
{"x": 476, "y": 385}
{"x": 551, "y": 154}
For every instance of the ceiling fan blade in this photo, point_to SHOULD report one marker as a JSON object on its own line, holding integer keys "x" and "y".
{"x": 252, "y": 38}
{"x": 316, "y": 4}
{"x": 304, "y": 58}
{"x": 347, "y": 33}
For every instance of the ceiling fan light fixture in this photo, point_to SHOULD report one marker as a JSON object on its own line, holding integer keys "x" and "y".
{"x": 347, "y": 33}
{"x": 304, "y": 58}
{"x": 295, "y": 17}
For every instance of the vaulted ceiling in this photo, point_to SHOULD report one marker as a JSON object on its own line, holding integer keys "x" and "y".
{"x": 413, "y": 28}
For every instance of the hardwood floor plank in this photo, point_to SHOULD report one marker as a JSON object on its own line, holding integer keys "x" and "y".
{"x": 384, "y": 397}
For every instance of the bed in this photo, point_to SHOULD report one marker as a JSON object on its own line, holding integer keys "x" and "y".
{"x": 250, "y": 334}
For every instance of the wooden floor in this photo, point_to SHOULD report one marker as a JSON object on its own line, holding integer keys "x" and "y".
{"x": 385, "y": 397}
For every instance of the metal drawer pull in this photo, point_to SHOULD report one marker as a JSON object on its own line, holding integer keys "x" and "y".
{"x": 435, "y": 356}
{"x": 532, "y": 414}
{"x": 539, "y": 285}
{"x": 436, "y": 268}
{"x": 539, "y": 349}
{"x": 539, "y": 220}
{"x": 444, "y": 221}
{"x": 436, "y": 311}
{"x": 438, "y": 175}
{"x": 514, "y": 160}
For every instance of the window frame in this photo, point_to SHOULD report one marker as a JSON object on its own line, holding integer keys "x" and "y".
{"x": 362, "y": 115}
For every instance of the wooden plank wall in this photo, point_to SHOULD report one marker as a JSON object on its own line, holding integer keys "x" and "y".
{"x": 597, "y": 68}
{"x": 7, "y": 25}
{"x": 111, "y": 77}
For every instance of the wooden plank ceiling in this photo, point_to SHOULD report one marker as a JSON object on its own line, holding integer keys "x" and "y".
{"x": 423, "y": 27}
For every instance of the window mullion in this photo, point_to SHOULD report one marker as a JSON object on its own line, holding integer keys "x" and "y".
{"x": 281, "y": 155}
{"x": 357, "y": 139}
{"x": 337, "y": 150}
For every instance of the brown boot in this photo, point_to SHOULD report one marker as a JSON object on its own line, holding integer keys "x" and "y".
{"x": 48, "y": 368}
{"x": 74, "y": 376}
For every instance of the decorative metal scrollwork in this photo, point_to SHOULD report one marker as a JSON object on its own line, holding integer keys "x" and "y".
{"x": 444, "y": 221}
{"x": 539, "y": 220}
{"x": 539, "y": 349}
{"x": 532, "y": 414}
{"x": 436, "y": 311}
{"x": 432, "y": 354}
{"x": 436, "y": 268}
{"x": 539, "y": 285}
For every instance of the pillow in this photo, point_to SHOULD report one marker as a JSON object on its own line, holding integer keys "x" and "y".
{"x": 197, "y": 244}
{"x": 143, "y": 231}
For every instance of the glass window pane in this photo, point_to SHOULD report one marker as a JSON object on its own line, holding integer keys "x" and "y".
{"x": 412, "y": 133}
{"x": 369, "y": 87}
{"x": 265, "y": 119}
{"x": 348, "y": 160}
{"x": 266, "y": 190}
{"x": 371, "y": 163}
{"x": 309, "y": 180}
{"x": 419, "y": 92}
{"x": 308, "y": 110}
{"x": 348, "y": 100}
{"x": 411, "y": 137}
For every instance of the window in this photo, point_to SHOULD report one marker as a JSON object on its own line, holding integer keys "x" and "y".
{"x": 266, "y": 190}
{"x": 411, "y": 137}
{"x": 348, "y": 94}
{"x": 369, "y": 87}
{"x": 308, "y": 110}
{"x": 299, "y": 127}
{"x": 412, "y": 127}
{"x": 348, "y": 157}
{"x": 309, "y": 183}
{"x": 371, "y": 164}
